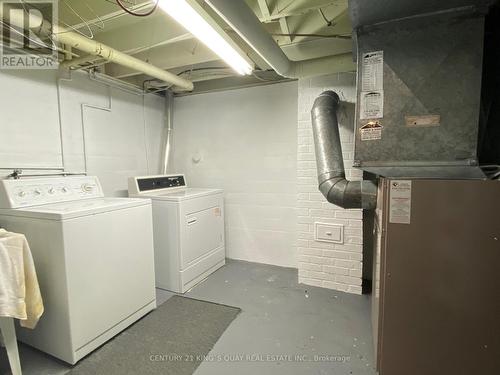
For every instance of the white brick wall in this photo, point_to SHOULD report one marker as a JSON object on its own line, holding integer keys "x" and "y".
{"x": 328, "y": 265}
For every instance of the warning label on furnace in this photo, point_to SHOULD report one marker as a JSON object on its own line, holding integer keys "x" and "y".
{"x": 371, "y": 130}
{"x": 372, "y": 85}
{"x": 400, "y": 202}
{"x": 371, "y": 104}
{"x": 372, "y": 73}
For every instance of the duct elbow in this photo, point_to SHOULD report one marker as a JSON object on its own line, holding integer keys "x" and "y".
{"x": 350, "y": 194}
{"x": 330, "y": 162}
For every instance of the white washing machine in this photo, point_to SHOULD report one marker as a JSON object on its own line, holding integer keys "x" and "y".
{"x": 188, "y": 226}
{"x": 93, "y": 255}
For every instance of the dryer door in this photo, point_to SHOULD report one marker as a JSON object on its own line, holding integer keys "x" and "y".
{"x": 202, "y": 228}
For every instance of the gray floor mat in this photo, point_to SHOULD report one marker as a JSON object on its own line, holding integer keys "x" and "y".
{"x": 171, "y": 340}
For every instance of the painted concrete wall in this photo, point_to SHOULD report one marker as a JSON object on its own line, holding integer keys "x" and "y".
{"x": 29, "y": 125}
{"x": 245, "y": 142}
{"x": 335, "y": 266}
{"x": 89, "y": 126}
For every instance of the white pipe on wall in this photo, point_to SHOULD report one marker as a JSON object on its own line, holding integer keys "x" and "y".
{"x": 167, "y": 146}
{"x": 95, "y": 48}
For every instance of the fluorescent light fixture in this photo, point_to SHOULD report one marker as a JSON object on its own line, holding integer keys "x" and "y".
{"x": 189, "y": 14}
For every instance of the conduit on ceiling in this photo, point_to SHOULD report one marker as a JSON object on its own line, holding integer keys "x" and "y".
{"x": 95, "y": 48}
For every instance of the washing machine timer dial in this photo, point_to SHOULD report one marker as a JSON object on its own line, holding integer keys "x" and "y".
{"x": 87, "y": 188}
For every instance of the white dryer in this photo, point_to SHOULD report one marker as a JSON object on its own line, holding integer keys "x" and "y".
{"x": 93, "y": 255}
{"x": 188, "y": 226}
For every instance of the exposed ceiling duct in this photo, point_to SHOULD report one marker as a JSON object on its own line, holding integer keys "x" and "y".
{"x": 243, "y": 20}
{"x": 95, "y": 48}
{"x": 330, "y": 162}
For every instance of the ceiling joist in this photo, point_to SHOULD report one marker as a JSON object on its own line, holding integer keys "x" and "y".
{"x": 297, "y": 26}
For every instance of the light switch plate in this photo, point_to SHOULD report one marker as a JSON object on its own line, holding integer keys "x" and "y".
{"x": 329, "y": 232}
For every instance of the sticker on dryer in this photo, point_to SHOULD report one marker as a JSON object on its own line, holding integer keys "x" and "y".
{"x": 371, "y": 105}
{"x": 400, "y": 202}
{"x": 371, "y": 130}
{"x": 217, "y": 211}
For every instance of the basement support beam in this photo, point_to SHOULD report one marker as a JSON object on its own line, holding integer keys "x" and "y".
{"x": 299, "y": 7}
{"x": 285, "y": 29}
{"x": 264, "y": 9}
{"x": 243, "y": 20}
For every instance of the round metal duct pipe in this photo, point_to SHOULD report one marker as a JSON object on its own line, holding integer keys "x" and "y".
{"x": 330, "y": 162}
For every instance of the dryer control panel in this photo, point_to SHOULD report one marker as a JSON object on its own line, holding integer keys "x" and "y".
{"x": 36, "y": 191}
{"x": 141, "y": 185}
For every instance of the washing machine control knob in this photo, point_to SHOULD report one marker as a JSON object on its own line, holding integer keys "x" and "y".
{"x": 87, "y": 188}
{"x": 22, "y": 193}
{"x": 52, "y": 191}
{"x": 37, "y": 192}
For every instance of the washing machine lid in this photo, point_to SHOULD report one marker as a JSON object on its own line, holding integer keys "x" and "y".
{"x": 74, "y": 209}
{"x": 180, "y": 195}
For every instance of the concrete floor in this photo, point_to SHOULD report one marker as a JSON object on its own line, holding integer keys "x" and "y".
{"x": 284, "y": 327}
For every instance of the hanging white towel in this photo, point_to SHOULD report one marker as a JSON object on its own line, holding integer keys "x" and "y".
{"x": 19, "y": 291}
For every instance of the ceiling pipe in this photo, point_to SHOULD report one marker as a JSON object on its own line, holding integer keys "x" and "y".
{"x": 95, "y": 48}
{"x": 330, "y": 162}
{"x": 75, "y": 63}
{"x": 240, "y": 17}
{"x": 89, "y": 59}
